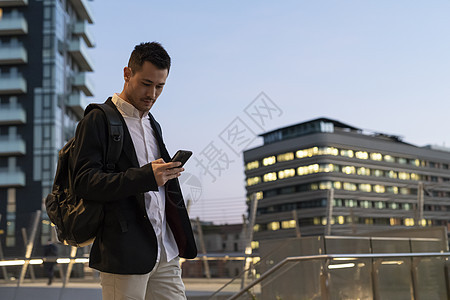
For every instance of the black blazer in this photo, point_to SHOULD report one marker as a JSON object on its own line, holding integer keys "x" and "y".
{"x": 126, "y": 243}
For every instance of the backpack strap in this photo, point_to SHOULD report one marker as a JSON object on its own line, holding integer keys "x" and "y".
{"x": 115, "y": 144}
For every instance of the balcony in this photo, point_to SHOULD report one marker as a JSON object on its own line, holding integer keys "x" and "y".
{"x": 8, "y": 178}
{"x": 77, "y": 103}
{"x": 12, "y": 85}
{"x": 12, "y": 146}
{"x": 12, "y": 115}
{"x": 7, "y": 3}
{"x": 82, "y": 29}
{"x": 13, "y": 25}
{"x": 79, "y": 53}
{"x": 83, "y": 10}
{"x": 11, "y": 55}
{"x": 82, "y": 82}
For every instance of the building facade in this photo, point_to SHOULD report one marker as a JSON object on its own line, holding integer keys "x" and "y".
{"x": 44, "y": 63}
{"x": 325, "y": 172}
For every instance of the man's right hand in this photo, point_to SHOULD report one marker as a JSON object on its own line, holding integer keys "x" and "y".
{"x": 165, "y": 171}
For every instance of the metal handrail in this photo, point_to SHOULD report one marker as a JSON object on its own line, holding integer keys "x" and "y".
{"x": 334, "y": 256}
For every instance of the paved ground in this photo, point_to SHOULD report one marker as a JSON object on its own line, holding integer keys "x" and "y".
{"x": 196, "y": 289}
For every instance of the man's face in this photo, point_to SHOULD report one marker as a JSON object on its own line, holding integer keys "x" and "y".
{"x": 144, "y": 86}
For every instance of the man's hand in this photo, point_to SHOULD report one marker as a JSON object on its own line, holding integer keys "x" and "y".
{"x": 165, "y": 171}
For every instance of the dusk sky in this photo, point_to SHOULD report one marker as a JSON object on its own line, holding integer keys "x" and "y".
{"x": 378, "y": 65}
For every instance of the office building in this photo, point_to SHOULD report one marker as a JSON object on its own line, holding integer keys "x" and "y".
{"x": 324, "y": 172}
{"x": 44, "y": 62}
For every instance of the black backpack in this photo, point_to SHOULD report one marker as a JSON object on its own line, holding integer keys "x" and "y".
{"x": 78, "y": 220}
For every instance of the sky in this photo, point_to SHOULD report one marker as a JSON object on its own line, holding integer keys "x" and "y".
{"x": 380, "y": 65}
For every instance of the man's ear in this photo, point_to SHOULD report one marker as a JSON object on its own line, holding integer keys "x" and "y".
{"x": 127, "y": 73}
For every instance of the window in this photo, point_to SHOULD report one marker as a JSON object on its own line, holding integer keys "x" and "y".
{"x": 366, "y": 204}
{"x": 403, "y": 175}
{"x": 259, "y": 195}
{"x": 285, "y": 156}
{"x": 362, "y": 155}
{"x": 365, "y": 187}
{"x": 269, "y": 161}
{"x": 402, "y": 160}
{"x": 392, "y": 189}
{"x": 252, "y": 165}
{"x": 270, "y": 177}
{"x": 288, "y": 224}
{"x": 376, "y": 156}
{"x": 273, "y": 226}
{"x": 408, "y": 222}
{"x": 349, "y": 186}
{"x": 389, "y": 158}
{"x": 378, "y": 173}
{"x": 286, "y": 173}
{"x": 378, "y": 188}
{"x": 364, "y": 171}
{"x": 391, "y": 174}
{"x": 348, "y": 153}
{"x": 253, "y": 180}
{"x": 348, "y": 170}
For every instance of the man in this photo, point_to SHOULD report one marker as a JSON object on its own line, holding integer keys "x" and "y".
{"x": 50, "y": 254}
{"x": 146, "y": 226}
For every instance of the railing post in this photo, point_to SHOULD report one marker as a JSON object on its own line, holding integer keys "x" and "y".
{"x": 73, "y": 253}
{"x": 29, "y": 248}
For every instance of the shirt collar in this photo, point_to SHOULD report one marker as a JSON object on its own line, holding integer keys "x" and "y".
{"x": 127, "y": 109}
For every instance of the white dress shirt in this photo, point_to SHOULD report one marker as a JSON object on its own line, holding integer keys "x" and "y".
{"x": 147, "y": 150}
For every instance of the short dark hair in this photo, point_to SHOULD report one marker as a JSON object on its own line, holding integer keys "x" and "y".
{"x": 152, "y": 52}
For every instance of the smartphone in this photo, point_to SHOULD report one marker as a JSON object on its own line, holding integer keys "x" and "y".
{"x": 182, "y": 156}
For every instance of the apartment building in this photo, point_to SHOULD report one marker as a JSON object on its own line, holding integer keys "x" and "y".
{"x": 44, "y": 62}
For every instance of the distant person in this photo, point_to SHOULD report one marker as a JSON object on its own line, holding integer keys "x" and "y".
{"x": 50, "y": 255}
{"x": 146, "y": 226}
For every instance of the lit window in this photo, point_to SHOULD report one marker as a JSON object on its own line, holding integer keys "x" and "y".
{"x": 324, "y": 221}
{"x": 270, "y": 177}
{"x": 288, "y": 224}
{"x": 337, "y": 185}
{"x": 273, "y": 226}
{"x": 302, "y": 153}
{"x": 416, "y": 162}
{"x": 348, "y": 153}
{"x": 408, "y": 221}
{"x": 341, "y": 220}
{"x": 403, "y": 175}
{"x": 326, "y": 168}
{"x": 259, "y": 195}
{"x": 256, "y": 228}
{"x": 255, "y": 244}
{"x": 362, "y": 155}
{"x": 368, "y": 221}
{"x": 423, "y": 222}
{"x": 328, "y": 151}
{"x": 253, "y": 180}
{"x": 389, "y": 158}
{"x": 349, "y": 186}
{"x": 378, "y": 188}
{"x": 269, "y": 161}
{"x": 415, "y": 176}
{"x": 325, "y": 185}
{"x": 314, "y": 186}
{"x": 286, "y": 173}
{"x": 393, "y": 205}
{"x": 407, "y": 206}
{"x": 394, "y": 221}
{"x": 348, "y": 170}
{"x": 364, "y": 171}
{"x": 376, "y": 156}
{"x": 365, "y": 187}
{"x": 285, "y": 156}
{"x": 252, "y": 165}
{"x": 391, "y": 174}
{"x": 317, "y": 221}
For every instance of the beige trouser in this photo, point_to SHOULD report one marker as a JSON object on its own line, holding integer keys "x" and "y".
{"x": 163, "y": 282}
